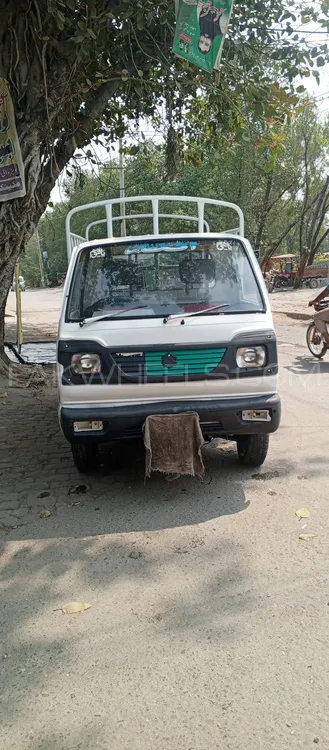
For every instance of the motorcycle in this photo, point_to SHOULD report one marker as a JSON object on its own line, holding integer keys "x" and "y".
{"x": 282, "y": 282}
{"x": 314, "y": 340}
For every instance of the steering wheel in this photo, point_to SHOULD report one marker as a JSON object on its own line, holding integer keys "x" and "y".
{"x": 98, "y": 305}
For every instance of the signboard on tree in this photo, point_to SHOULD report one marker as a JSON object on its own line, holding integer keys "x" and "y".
{"x": 200, "y": 31}
{"x": 12, "y": 183}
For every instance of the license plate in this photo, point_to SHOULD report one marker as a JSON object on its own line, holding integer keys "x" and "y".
{"x": 87, "y": 426}
{"x": 256, "y": 415}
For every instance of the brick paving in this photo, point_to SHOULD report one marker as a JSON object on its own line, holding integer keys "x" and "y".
{"x": 34, "y": 457}
{"x": 37, "y": 470}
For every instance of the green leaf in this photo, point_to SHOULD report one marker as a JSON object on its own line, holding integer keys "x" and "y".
{"x": 59, "y": 22}
{"x": 320, "y": 61}
{"x": 140, "y": 20}
{"x": 269, "y": 166}
{"x": 71, "y": 4}
{"x": 91, "y": 33}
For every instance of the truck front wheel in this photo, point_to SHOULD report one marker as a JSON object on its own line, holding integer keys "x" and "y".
{"x": 85, "y": 457}
{"x": 252, "y": 449}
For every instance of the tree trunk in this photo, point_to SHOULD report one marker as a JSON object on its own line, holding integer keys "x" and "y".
{"x": 264, "y": 213}
{"x": 305, "y": 199}
{"x": 2, "y": 318}
{"x": 320, "y": 211}
{"x": 301, "y": 269}
{"x": 18, "y": 219}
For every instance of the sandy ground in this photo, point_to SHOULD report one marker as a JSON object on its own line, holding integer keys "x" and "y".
{"x": 40, "y": 314}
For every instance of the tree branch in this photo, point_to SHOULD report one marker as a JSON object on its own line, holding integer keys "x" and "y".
{"x": 320, "y": 212}
{"x": 287, "y": 230}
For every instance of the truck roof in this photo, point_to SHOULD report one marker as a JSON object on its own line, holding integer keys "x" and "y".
{"x": 157, "y": 238}
{"x": 73, "y": 240}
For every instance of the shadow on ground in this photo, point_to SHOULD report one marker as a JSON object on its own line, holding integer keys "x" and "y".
{"x": 307, "y": 365}
{"x": 161, "y": 575}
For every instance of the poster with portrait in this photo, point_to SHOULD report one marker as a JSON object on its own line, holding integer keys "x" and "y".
{"x": 200, "y": 31}
{"x": 12, "y": 184}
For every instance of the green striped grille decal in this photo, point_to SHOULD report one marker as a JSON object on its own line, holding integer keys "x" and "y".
{"x": 183, "y": 362}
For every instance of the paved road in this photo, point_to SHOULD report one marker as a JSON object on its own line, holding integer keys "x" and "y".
{"x": 40, "y": 314}
{"x": 209, "y": 620}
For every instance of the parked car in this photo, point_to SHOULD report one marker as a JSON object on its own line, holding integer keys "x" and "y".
{"x": 21, "y": 284}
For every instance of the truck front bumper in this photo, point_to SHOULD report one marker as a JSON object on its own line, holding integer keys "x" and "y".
{"x": 218, "y": 418}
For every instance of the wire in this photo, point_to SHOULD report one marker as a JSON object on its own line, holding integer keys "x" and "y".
{"x": 292, "y": 30}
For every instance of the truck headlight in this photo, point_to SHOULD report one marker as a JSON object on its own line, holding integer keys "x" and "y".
{"x": 85, "y": 364}
{"x": 251, "y": 356}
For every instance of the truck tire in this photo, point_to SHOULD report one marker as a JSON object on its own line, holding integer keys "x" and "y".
{"x": 252, "y": 449}
{"x": 85, "y": 457}
{"x": 313, "y": 283}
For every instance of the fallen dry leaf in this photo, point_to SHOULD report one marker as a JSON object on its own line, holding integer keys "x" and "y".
{"x": 74, "y": 608}
{"x": 79, "y": 489}
{"x": 302, "y": 513}
{"x": 306, "y": 537}
{"x": 3, "y": 395}
{"x": 44, "y": 513}
{"x": 135, "y": 554}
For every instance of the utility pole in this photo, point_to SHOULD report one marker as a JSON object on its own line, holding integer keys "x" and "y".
{"x": 122, "y": 190}
{"x": 42, "y": 274}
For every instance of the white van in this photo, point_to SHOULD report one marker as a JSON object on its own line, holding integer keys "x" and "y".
{"x": 165, "y": 324}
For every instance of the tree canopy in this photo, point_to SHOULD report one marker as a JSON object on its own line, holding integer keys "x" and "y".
{"x": 77, "y": 70}
{"x": 285, "y": 202}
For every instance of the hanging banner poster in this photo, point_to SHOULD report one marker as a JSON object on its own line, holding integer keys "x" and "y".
{"x": 12, "y": 184}
{"x": 200, "y": 31}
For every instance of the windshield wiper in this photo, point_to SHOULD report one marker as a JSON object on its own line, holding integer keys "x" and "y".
{"x": 197, "y": 312}
{"x": 109, "y": 317}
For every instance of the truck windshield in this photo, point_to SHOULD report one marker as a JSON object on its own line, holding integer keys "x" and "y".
{"x": 163, "y": 278}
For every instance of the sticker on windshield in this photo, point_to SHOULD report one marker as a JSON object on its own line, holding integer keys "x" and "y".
{"x": 98, "y": 252}
{"x": 160, "y": 247}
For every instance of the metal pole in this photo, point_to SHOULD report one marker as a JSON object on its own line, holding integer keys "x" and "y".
{"x": 122, "y": 189}
{"x": 18, "y": 310}
{"x": 42, "y": 275}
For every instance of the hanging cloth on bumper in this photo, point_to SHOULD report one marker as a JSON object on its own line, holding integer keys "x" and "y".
{"x": 173, "y": 444}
